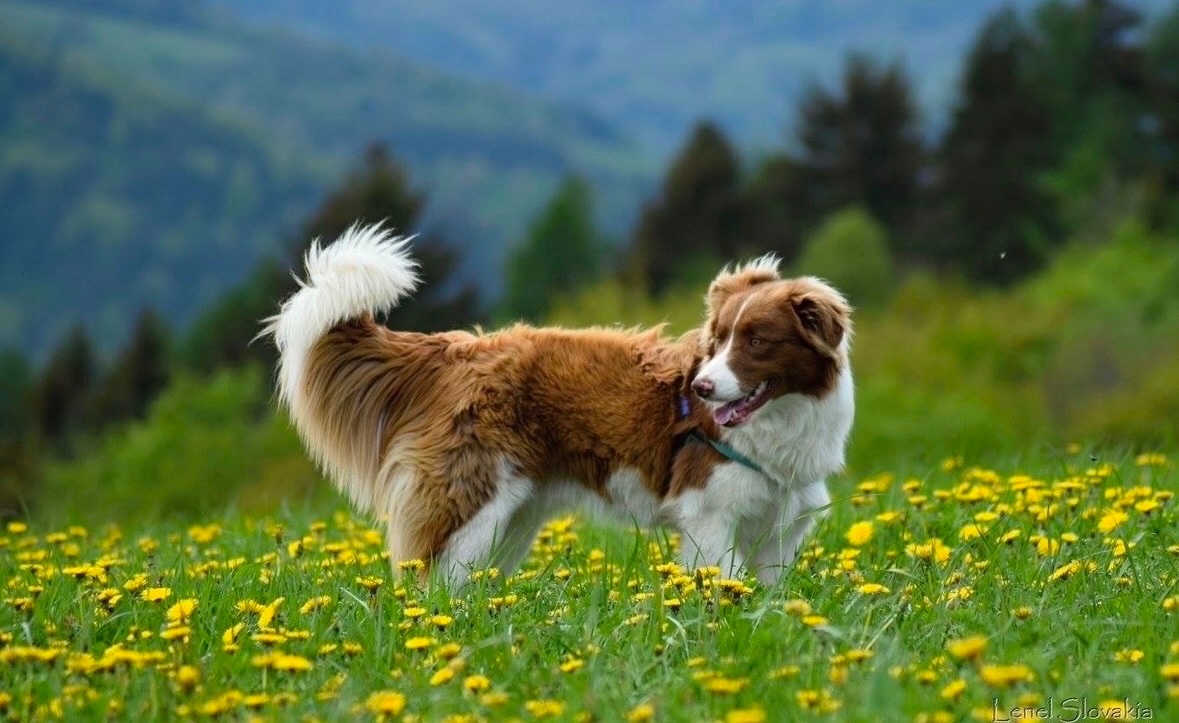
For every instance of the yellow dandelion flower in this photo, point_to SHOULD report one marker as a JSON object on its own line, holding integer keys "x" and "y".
{"x": 643, "y": 713}
{"x": 476, "y": 683}
{"x": 443, "y": 676}
{"x": 229, "y": 637}
{"x": 385, "y": 702}
{"x": 249, "y": 606}
{"x": 181, "y": 611}
{"x": 188, "y": 677}
{"x": 572, "y": 665}
{"x": 720, "y": 685}
{"x": 860, "y": 533}
{"x": 873, "y": 588}
{"x": 814, "y": 620}
{"x": 969, "y": 648}
{"x": 446, "y": 651}
{"x": 798, "y": 608}
{"x": 954, "y": 690}
{"x": 156, "y": 594}
{"x": 755, "y": 714}
{"x": 176, "y": 633}
{"x": 1128, "y": 656}
{"x": 494, "y": 699}
{"x": 786, "y": 671}
{"x": 315, "y": 603}
{"x": 372, "y": 584}
{"x": 1111, "y": 520}
{"x": 1171, "y": 604}
{"x": 1065, "y": 571}
{"x": 934, "y": 550}
{"x": 419, "y": 643}
{"x": 544, "y": 708}
{"x": 413, "y": 612}
{"x": 1023, "y": 612}
{"x": 441, "y": 621}
{"x": 136, "y": 583}
{"x": 1004, "y": 676}
{"x": 1170, "y": 672}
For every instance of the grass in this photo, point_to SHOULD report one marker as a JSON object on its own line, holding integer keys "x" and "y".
{"x": 941, "y": 594}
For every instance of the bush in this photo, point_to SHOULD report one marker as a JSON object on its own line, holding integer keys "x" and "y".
{"x": 204, "y": 445}
{"x": 850, "y": 250}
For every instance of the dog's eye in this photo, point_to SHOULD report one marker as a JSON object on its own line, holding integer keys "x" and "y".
{"x": 755, "y": 341}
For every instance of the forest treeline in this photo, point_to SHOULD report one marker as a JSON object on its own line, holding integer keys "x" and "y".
{"x": 1057, "y": 174}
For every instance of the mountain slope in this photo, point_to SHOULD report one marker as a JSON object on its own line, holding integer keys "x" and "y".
{"x": 655, "y": 66}
{"x": 150, "y": 160}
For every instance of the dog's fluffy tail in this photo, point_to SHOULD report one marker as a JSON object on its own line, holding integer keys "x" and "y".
{"x": 366, "y": 271}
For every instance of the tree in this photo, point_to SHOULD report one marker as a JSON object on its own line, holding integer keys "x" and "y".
{"x": 862, "y": 146}
{"x": 1162, "y": 71}
{"x": 995, "y": 214}
{"x": 559, "y": 256}
{"x": 775, "y": 215}
{"x": 61, "y": 394}
{"x": 377, "y": 190}
{"x": 697, "y": 215}
{"x": 1087, "y": 66}
{"x": 139, "y": 373}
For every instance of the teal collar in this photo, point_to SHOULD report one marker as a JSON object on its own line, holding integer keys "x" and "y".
{"x": 728, "y": 452}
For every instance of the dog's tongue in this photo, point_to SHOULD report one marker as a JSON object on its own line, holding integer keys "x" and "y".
{"x": 729, "y": 413}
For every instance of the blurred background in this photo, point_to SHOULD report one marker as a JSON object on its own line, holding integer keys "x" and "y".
{"x": 995, "y": 186}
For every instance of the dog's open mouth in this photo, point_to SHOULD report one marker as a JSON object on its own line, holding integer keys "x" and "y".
{"x": 737, "y": 412}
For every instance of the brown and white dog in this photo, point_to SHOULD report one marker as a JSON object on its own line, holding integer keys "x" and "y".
{"x": 465, "y": 443}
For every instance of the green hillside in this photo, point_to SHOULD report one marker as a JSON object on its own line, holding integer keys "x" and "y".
{"x": 151, "y": 160}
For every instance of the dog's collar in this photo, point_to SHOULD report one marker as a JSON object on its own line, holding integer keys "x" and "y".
{"x": 721, "y": 448}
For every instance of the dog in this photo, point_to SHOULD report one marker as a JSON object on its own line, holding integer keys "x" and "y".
{"x": 464, "y": 443}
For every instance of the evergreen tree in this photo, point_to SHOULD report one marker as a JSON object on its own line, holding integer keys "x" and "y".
{"x": 1162, "y": 71}
{"x": 561, "y": 253}
{"x": 1087, "y": 66}
{"x": 697, "y": 216}
{"x": 378, "y": 190}
{"x": 775, "y": 215}
{"x": 61, "y": 394}
{"x": 861, "y": 146}
{"x": 996, "y": 216}
{"x": 139, "y": 373}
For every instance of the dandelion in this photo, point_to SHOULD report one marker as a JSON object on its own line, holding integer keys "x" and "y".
{"x": 1171, "y": 604}
{"x": 954, "y": 689}
{"x": 970, "y": 648}
{"x": 1170, "y": 672}
{"x": 1128, "y": 656}
{"x": 814, "y": 621}
{"x": 156, "y": 594}
{"x": 443, "y": 676}
{"x": 798, "y": 608}
{"x": 494, "y": 699}
{"x": 572, "y": 665}
{"x": 181, "y": 611}
{"x": 441, "y": 621}
{"x": 860, "y": 533}
{"x": 419, "y": 643}
{"x": 756, "y": 714}
{"x": 476, "y": 683}
{"x": 1023, "y": 612}
{"x": 179, "y": 632}
{"x": 873, "y": 588}
{"x": 1004, "y": 676}
{"x": 315, "y": 603}
{"x": 385, "y": 702}
{"x": 544, "y": 708}
{"x": 643, "y": 713}
{"x": 1065, "y": 571}
{"x": 1111, "y": 520}
{"x": 720, "y": 685}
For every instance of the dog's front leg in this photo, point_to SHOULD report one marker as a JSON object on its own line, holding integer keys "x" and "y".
{"x": 773, "y": 548}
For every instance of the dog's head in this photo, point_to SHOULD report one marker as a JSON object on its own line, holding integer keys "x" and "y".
{"x": 767, "y": 337}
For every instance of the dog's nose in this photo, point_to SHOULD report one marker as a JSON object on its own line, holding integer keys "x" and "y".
{"x": 703, "y": 388}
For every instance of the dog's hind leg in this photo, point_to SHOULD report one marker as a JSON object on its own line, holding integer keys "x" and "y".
{"x": 496, "y": 534}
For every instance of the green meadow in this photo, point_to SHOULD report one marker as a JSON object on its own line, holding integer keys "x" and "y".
{"x": 956, "y": 591}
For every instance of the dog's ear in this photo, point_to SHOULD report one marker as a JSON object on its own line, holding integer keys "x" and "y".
{"x": 825, "y": 318}
{"x": 729, "y": 282}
